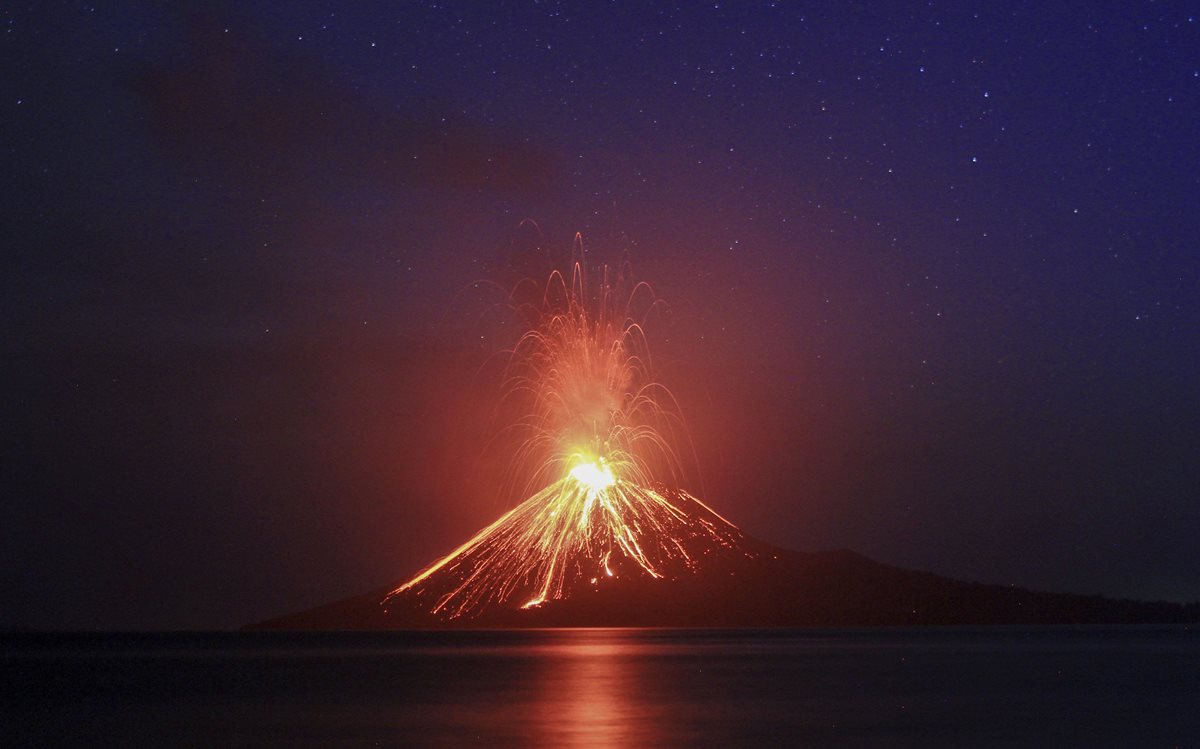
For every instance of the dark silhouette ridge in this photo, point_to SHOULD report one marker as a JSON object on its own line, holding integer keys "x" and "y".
{"x": 774, "y": 588}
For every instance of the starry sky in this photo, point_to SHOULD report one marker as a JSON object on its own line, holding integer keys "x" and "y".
{"x": 931, "y": 273}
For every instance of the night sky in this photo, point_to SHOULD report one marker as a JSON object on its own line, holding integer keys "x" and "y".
{"x": 932, "y": 278}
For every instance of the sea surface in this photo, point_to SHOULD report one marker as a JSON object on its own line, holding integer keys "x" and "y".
{"x": 954, "y": 687}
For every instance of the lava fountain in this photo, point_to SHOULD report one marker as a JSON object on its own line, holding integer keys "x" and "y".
{"x": 597, "y": 454}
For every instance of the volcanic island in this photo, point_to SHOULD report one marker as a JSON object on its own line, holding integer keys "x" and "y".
{"x": 689, "y": 567}
{"x": 606, "y": 535}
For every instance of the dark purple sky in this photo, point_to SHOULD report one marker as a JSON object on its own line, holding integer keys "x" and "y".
{"x": 933, "y": 280}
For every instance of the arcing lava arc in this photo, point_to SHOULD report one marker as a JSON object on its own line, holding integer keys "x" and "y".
{"x": 596, "y": 454}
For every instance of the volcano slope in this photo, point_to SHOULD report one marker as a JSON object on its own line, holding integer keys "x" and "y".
{"x": 682, "y": 565}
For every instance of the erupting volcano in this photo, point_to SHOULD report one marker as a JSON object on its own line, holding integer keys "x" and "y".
{"x": 604, "y": 532}
{"x": 596, "y": 444}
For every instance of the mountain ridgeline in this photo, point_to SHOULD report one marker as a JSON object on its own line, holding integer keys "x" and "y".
{"x": 744, "y": 582}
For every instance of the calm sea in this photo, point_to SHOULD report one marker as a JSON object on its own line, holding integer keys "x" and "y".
{"x": 957, "y": 687}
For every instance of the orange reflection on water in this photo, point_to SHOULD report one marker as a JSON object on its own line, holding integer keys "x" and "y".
{"x": 590, "y": 695}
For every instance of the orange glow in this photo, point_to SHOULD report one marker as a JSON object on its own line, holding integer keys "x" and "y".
{"x": 597, "y": 457}
{"x": 595, "y": 475}
{"x": 590, "y": 695}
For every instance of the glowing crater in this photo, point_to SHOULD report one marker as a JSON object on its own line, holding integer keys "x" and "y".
{"x": 595, "y": 475}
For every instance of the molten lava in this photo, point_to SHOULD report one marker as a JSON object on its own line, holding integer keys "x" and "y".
{"x": 597, "y": 456}
{"x": 596, "y": 476}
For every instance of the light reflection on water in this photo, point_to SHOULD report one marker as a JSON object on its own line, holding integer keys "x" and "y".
{"x": 607, "y": 688}
{"x": 554, "y": 688}
{"x": 587, "y": 696}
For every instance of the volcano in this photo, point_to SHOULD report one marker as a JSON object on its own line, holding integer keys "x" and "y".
{"x": 604, "y": 536}
{"x": 683, "y": 565}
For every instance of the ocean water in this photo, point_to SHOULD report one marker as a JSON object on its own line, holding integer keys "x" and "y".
{"x": 954, "y": 687}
